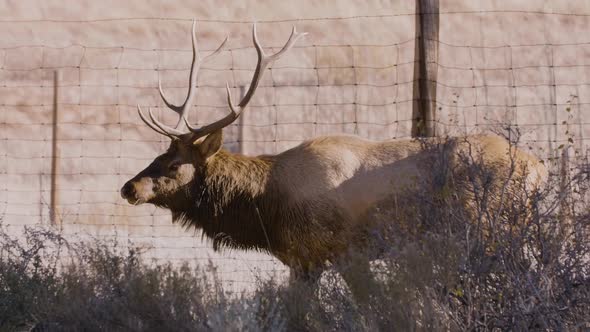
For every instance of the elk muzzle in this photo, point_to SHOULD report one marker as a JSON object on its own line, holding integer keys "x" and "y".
{"x": 127, "y": 190}
{"x": 137, "y": 191}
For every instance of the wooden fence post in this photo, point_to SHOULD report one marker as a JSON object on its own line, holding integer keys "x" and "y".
{"x": 54, "y": 152}
{"x": 425, "y": 68}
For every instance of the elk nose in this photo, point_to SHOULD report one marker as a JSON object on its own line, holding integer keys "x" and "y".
{"x": 128, "y": 190}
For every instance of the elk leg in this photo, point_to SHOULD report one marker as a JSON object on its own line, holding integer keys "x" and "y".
{"x": 356, "y": 272}
{"x": 308, "y": 276}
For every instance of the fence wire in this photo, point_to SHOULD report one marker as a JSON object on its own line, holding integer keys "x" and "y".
{"x": 357, "y": 88}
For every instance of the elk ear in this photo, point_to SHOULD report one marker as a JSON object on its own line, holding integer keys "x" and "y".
{"x": 210, "y": 144}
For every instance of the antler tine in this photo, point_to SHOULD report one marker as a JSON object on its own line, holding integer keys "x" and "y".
{"x": 263, "y": 62}
{"x": 222, "y": 123}
{"x": 184, "y": 109}
{"x": 156, "y": 129}
{"x": 292, "y": 39}
{"x": 196, "y": 64}
{"x": 192, "y": 81}
{"x": 170, "y": 131}
{"x": 216, "y": 51}
{"x": 179, "y": 109}
{"x": 173, "y": 107}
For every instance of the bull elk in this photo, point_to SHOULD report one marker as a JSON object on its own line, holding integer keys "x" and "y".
{"x": 306, "y": 206}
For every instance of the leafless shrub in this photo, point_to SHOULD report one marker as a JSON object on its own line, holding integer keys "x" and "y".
{"x": 28, "y": 275}
{"x": 468, "y": 253}
{"x": 101, "y": 287}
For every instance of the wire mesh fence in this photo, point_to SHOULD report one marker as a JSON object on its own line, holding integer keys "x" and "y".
{"x": 352, "y": 74}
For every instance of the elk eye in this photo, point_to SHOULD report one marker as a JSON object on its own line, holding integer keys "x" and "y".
{"x": 174, "y": 167}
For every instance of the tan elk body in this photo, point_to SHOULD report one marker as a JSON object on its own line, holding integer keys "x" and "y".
{"x": 307, "y": 205}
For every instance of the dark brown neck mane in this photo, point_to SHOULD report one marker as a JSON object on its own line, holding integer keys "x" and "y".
{"x": 234, "y": 201}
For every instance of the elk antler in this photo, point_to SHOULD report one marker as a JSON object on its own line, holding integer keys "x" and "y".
{"x": 182, "y": 110}
{"x": 263, "y": 62}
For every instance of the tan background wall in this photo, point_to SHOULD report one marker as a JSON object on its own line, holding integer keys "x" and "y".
{"x": 519, "y": 62}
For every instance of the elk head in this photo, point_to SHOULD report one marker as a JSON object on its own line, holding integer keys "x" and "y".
{"x": 172, "y": 173}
